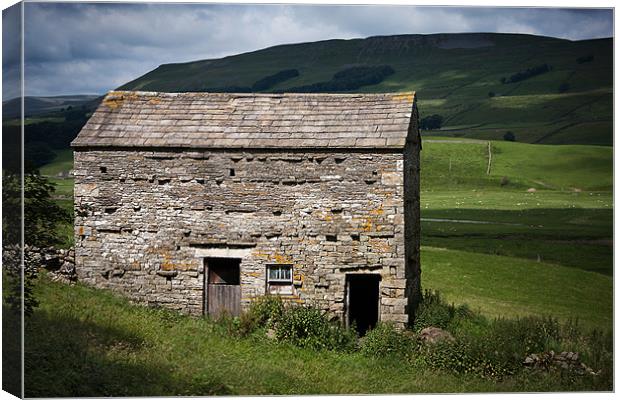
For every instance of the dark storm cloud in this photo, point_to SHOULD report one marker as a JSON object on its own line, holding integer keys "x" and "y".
{"x": 11, "y": 49}
{"x": 92, "y": 48}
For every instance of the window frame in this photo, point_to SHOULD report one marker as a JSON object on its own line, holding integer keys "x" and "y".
{"x": 270, "y": 280}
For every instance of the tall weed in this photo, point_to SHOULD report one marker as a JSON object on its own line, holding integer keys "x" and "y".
{"x": 310, "y": 328}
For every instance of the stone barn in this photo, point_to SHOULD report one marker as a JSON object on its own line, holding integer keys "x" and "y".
{"x": 201, "y": 202}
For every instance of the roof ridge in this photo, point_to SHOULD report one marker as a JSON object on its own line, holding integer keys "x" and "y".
{"x": 257, "y": 94}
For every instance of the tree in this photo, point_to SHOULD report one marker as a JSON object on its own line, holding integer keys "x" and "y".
{"x": 431, "y": 122}
{"x": 509, "y": 136}
{"x": 40, "y": 219}
{"x": 41, "y": 214}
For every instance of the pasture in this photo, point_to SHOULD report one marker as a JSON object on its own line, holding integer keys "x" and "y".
{"x": 487, "y": 242}
{"x": 90, "y": 342}
{"x": 551, "y": 249}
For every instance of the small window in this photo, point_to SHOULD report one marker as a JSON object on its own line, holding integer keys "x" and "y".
{"x": 280, "y": 273}
{"x": 280, "y": 279}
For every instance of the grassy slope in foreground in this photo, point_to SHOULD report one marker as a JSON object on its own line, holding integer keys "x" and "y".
{"x": 453, "y": 75}
{"x": 88, "y": 342}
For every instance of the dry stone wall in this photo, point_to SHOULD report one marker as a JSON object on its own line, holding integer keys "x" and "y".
{"x": 145, "y": 220}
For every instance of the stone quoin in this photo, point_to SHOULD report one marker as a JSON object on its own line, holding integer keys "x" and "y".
{"x": 202, "y": 202}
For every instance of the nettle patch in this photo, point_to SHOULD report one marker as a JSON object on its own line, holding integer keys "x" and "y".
{"x": 444, "y": 337}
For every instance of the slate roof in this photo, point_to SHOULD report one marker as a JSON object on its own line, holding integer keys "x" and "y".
{"x": 249, "y": 120}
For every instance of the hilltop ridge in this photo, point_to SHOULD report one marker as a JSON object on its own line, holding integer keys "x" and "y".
{"x": 458, "y": 76}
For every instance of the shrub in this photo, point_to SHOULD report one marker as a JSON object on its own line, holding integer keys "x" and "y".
{"x": 348, "y": 79}
{"x": 264, "y": 312}
{"x": 272, "y": 80}
{"x": 595, "y": 347}
{"x": 563, "y": 88}
{"x": 523, "y": 336}
{"x": 584, "y": 59}
{"x": 509, "y": 136}
{"x": 491, "y": 94}
{"x": 385, "y": 340}
{"x": 499, "y": 351}
{"x": 431, "y": 122}
{"x": 309, "y": 327}
{"x": 504, "y": 181}
{"x": 528, "y": 73}
{"x": 433, "y": 311}
{"x": 229, "y": 324}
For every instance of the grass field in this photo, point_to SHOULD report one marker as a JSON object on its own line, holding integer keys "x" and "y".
{"x": 89, "y": 342}
{"x": 63, "y": 162}
{"x": 486, "y": 242}
{"x": 512, "y": 252}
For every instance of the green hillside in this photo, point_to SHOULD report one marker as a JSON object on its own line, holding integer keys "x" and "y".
{"x": 453, "y": 74}
{"x": 461, "y": 163}
{"x": 540, "y": 203}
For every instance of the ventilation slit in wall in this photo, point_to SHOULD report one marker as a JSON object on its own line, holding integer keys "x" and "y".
{"x": 232, "y": 172}
{"x": 331, "y": 238}
{"x": 103, "y": 169}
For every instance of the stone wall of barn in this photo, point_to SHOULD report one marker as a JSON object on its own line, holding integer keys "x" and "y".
{"x": 145, "y": 220}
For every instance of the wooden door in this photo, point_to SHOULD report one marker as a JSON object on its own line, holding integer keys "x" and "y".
{"x": 224, "y": 299}
{"x": 222, "y": 284}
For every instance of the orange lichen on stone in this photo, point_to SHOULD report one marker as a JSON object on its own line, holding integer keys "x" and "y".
{"x": 367, "y": 225}
{"x": 370, "y": 221}
{"x": 168, "y": 264}
{"x": 377, "y": 211}
{"x": 116, "y": 99}
{"x": 261, "y": 254}
{"x": 282, "y": 259}
{"x": 380, "y": 246}
{"x": 404, "y": 97}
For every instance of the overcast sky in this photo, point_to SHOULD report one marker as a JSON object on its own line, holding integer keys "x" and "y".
{"x": 92, "y": 48}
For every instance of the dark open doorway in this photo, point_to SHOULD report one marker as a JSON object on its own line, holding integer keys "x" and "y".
{"x": 222, "y": 284}
{"x": 363, "y": 301}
